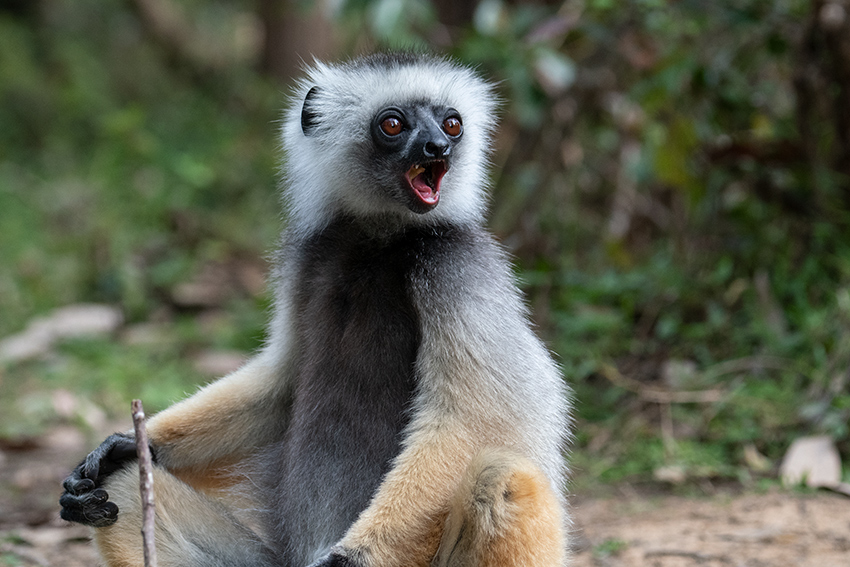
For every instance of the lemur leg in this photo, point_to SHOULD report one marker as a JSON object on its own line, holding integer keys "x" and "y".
{"x": 503, "y": 514}
{"x": 501, "y": 510}
{"x": 403, "y": 523}
{"x": 192, "y": 530}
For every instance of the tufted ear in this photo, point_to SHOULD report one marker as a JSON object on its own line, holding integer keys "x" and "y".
{"x": 309, "y": 116}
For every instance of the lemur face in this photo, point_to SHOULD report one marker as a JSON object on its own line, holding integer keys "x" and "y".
{"x": 405, "y": 138}
{"x": 413, "y": 151}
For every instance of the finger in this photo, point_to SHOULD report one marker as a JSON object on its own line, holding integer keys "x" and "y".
{"x": 99, "y": 496}
{"x": 76, "y": 485}
{"x": 104, "y": 515}
{"x": 91, "y": 466}
{"x": 71, "y": 501}
{"x": 98, "y": 517}
{"x": 85, "y": 500}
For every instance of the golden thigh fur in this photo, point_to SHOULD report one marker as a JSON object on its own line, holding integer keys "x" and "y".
{"x": 504, "y": 513}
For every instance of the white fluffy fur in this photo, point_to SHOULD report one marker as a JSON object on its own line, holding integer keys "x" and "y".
{"x": 350, "y": 94}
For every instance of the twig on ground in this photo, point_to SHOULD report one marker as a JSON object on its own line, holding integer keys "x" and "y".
{"x": 698, "y": 557}
{"x": 145, "y": 483}
{"x": 658, "y": 395}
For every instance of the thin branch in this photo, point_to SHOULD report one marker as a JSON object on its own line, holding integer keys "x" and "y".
{"x": 749, "y": 364}
{"x": 145, "y": 484}
{"x": 698, "y": 557}
{"x": 659, "y": 395}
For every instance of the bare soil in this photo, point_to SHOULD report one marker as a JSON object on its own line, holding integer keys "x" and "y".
{"x": 775, "y": 529}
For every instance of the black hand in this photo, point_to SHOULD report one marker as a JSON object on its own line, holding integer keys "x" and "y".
{"x": 83, "y": 500}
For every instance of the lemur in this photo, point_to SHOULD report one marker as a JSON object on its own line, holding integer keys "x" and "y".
{"x": 402, "y": 411}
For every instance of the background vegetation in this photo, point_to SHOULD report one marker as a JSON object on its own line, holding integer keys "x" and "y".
{"x": 672, "y": 177}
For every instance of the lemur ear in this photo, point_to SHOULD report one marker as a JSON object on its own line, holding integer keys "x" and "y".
{"x": 309, "y": 116}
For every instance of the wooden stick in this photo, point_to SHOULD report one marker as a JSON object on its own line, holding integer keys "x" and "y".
{"x": 145, "y": 483}
{"x": 658, "y": 395}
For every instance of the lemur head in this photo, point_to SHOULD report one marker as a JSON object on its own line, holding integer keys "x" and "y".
{"x": 403, "y": 136}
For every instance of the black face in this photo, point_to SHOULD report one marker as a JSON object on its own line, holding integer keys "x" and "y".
{"x": 413, "y": 150}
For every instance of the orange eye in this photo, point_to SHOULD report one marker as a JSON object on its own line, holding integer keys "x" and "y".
{"x": 391, "y": 126}
{"x": 452, "y": 126}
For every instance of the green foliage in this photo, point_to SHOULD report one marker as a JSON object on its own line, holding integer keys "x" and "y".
{"x": 117, "y": 178}
{"x": 121, "y": 175}
{"x": 665, "y": 210}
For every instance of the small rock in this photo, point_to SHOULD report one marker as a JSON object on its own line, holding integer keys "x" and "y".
{"x": 674, "y": 474}
{"x": 813, "y": 459}
{"x": 84, "y": 320}
{"x": 31, "y": 343}
{"x": 80, "y": 320}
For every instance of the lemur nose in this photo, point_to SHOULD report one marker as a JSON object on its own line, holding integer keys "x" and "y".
{"x": 436, "y": 149}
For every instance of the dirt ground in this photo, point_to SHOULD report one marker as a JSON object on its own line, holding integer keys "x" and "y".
{"x": 776, "y": 529}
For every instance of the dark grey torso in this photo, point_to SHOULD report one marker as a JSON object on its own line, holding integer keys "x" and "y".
{"x": 357, "y": 339}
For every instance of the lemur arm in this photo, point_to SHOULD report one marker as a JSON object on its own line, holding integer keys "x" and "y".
{"x": 227, "y": 418}
{"x": 216, "y": 427}
{"x": 403, "y": 524}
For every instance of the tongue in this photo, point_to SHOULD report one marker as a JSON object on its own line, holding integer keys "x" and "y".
{"x": 423, "y": 190}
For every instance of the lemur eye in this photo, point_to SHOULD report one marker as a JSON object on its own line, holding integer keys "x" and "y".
{"x": 391, "y": 126}
{"x": 452, "y": 126}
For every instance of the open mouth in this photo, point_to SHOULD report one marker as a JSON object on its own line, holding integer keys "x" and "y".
{"x": 425, "y": 179}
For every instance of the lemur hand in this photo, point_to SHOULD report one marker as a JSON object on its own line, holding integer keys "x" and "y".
{"x": 84, "y": 500}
